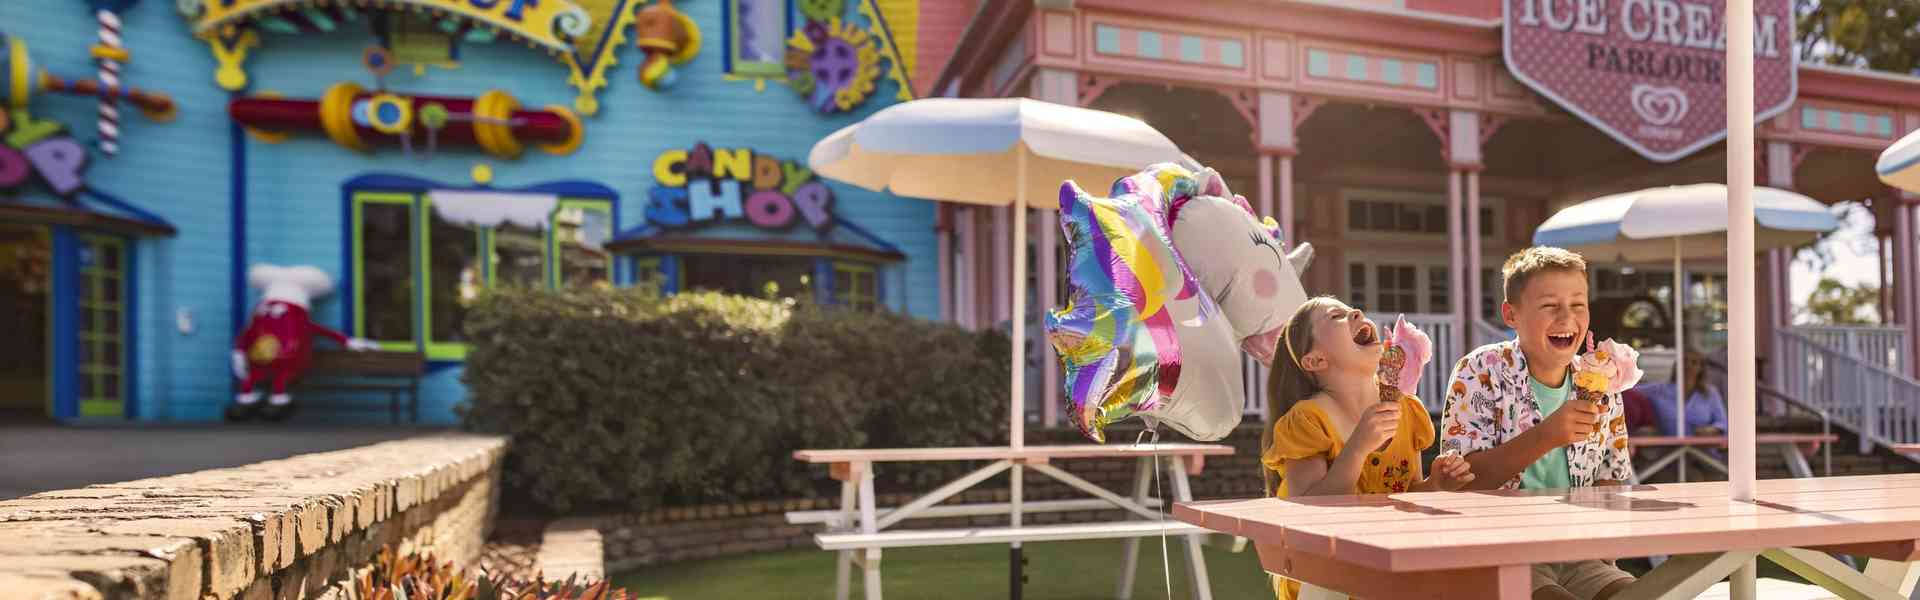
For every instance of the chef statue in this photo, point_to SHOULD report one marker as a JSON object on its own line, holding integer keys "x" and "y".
{"x": 277, "y": 346}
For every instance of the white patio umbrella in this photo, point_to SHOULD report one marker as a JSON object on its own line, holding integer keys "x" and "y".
{"x": 996, "y": 152}
{"x": 1899, "y": 164}
{"x": 1678, "y": 221}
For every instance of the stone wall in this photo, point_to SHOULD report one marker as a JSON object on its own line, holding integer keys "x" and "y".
{"x": 694, "y": 532}
{"x": 289, "y": 528}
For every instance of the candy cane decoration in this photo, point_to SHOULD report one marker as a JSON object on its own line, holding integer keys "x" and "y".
{"x": 109, "y": 53}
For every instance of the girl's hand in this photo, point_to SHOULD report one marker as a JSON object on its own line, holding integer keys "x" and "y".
{"x": 1376, "y": 426}
{"x": 1450, "y": 472}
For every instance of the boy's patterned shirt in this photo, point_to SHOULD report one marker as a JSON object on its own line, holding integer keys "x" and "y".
{"x": 1490, "y": 403}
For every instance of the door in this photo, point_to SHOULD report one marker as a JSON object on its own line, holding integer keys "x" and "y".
{"x": 26, "y": 272}
{"x": 102, "y": 327}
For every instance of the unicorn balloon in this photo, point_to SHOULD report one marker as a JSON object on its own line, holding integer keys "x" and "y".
{"x": 1154, "y": 318}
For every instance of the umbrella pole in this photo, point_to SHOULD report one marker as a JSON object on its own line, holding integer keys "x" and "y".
{"x": 1740, "y": 239}
{"x": 1016, "y": 418}
{"x": 1679, "y": 349}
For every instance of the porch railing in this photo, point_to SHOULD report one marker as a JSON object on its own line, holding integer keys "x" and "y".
{"x": 1487, "y": 333}
{"x": 1877, "y": 345}
{"x": 1879, "y": 403}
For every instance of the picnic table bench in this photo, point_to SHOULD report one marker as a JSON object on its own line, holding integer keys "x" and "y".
{"x": 1481, "y": 544}
{"x": 396, "y": 373}
{"x": 1792, "y": 447}
{"x": 858, "y": 529}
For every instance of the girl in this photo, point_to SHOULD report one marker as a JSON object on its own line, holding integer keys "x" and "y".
{"x": 1332, "y": 423}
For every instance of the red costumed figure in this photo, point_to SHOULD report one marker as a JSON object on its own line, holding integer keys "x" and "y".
{"x": 277, "y": 346}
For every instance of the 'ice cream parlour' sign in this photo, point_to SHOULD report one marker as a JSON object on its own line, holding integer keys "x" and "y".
{"x": 705, "y": 185}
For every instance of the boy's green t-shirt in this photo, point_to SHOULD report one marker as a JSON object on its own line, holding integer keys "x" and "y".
{"x": 1551, "y": 470}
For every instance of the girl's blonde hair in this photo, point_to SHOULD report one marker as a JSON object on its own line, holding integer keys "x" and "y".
{"x": 1288, "y": 383}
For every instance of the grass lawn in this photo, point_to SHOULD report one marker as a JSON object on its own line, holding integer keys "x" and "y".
{"x": 1086, "y": 570}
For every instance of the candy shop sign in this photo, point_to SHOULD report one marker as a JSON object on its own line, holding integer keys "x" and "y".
{"x": 1650, "y": 73}
{"x": 551, "y": 24}
{"x": 39, "y": 149}
{"x": 705, "y": 185}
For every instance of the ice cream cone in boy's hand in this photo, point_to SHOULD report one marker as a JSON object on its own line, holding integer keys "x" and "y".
{"x": 1606, "y": 369}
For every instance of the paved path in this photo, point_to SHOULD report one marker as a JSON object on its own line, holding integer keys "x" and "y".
{"x": 41, "y": 457}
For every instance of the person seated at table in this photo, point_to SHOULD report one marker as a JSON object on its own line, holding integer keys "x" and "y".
{"x": 1334, "y": 433}
{"x": 1639, "y": 411}
{"x": 1511, "y": 411}
{"x": 1706, "y": 411}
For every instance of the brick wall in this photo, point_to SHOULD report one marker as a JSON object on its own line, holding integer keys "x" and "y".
{"x": 288, "y": 528}
{"x": 695, "y": 532}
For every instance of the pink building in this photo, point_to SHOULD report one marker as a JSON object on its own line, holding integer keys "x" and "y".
{"x": 1385, "y": 131}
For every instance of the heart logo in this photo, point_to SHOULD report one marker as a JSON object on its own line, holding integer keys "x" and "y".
{"x": 1659, "y": 105}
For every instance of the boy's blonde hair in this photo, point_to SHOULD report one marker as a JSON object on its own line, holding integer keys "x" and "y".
{"x": 1523, "y": 265}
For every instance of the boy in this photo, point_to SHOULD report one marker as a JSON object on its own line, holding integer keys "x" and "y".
{"x": 1511, "y": 410}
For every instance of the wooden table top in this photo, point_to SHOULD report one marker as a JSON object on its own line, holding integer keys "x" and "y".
{"x": 1465, "y": 530}
{"x": 1126, "y": 450}
{"x": 1721, "y": 440}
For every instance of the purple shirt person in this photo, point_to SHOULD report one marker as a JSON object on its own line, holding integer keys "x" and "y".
{"x": 1706, "y": 411}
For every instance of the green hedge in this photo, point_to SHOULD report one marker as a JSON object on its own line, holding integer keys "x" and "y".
{"x": 618, "y": 399}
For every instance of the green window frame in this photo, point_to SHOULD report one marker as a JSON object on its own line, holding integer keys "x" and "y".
{"x": 103, "y": 327}
{"x": 760, "y": 67}
{"x": 855, "y": 285}
{"x": 486, "y": 247}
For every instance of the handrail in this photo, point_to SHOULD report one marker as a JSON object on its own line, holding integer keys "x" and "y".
{"x": 1879, "y": 403}
{"x": 1767, "y": 391}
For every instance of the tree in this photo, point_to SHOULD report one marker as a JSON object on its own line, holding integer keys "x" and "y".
{"x": 1883, "y": 35}
{"x": 1836, "y": 303}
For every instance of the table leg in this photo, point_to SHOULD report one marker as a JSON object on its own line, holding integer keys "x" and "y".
{"x": 1130, "y": 557}
{"x": 1310, "y": 591}
{"x": 1828, "y": 572}
{"x": 1196, "y": 562}
{"x": 1898, "y": 575}
{"x": 1741, "y": 586}
{"x": 1015, "y": 571}
{"x": 843, "y": 573}
{"x": 1685, "y": 576}
{"x": 868, "y": 525}
{"x": 1796, "y": 462}
{"x": 1658, "y": 465}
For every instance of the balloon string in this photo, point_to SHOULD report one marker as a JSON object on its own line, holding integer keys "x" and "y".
{"x": 1166, "y": 566}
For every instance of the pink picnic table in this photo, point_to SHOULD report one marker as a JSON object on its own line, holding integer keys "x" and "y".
{"x": 1481, "y": 544}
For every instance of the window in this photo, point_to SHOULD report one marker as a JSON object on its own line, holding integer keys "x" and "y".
{"x": 1395, "y": 290}
{"x": 746, "y": 275}
{"x": 420, "y": 260}
{"x": 1411, "y": 215}
{"x": 1357, "y": 286}
{"x": 854, "y": 286}
{"x": 1491, "y": 294}
{"x": 102, "y": 326}
{"x": 1439, "y": 290}
{"x": 757, "y": 37}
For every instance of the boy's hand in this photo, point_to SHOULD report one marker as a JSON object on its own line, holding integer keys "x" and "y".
{"x": 1376, "y": 426}
{"x": 1449, "y": 472}
{"x": 1575, "y": 421}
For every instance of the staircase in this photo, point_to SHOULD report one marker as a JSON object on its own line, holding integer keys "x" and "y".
{"x": 1867, "y": 397}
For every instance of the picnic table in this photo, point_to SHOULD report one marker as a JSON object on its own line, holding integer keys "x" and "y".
{"x": 858, "y": 529}
{"x": 1481, "y": 544}
{"x": 1792, "y": 447}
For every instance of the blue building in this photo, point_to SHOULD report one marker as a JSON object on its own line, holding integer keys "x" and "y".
{"x": 417, "y": 152}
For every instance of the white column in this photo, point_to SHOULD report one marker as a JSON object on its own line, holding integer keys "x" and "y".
{"x": 1740, "y": 271}
{"x": 1779, "y": 278}
{"x": 944, "y": 234}
{"x": 1473, "y": 255}
{"x": 1264, "y": 203}
{"x": 965, "y": 286}
{"x": 1002, "y": 281}
{"x": 1455, "y": 251}
{"x": 1285, "y": 216}
{"x": 1049, "y": 300}
{"x": 1059, "y": 87}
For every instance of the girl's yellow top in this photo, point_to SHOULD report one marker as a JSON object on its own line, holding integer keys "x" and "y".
{"x": 1306, "y": 432}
